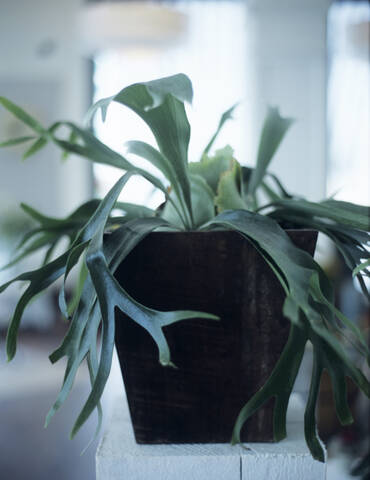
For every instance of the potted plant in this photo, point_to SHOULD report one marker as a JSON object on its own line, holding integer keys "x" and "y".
{"x": 213, "y": 236}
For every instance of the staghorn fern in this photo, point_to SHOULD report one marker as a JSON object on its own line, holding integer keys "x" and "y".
{"x": 214, "y": 193}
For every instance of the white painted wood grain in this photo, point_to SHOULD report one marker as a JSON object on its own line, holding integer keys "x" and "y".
{"x": 120, "y": 458}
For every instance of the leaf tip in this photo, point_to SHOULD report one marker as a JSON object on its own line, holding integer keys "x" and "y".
{"x": 168, "y": 363}
{"x": 280, "y": 436}
{"x": 10, "y": 354}
{"x": 235, "y": 439}
{"x": 74, "y": 431}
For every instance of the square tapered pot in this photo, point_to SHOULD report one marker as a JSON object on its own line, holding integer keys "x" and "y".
{"x": 220, "y": 364}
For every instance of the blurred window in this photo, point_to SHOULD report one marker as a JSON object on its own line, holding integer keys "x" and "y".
{"x": 349, "y": 101}
{"x": 211, "y": 50}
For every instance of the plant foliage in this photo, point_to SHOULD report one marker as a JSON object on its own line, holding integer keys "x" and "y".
{"x": 213, "y": 193}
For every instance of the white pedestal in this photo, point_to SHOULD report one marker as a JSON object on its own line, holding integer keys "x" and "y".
{"x": 120, "y": 458}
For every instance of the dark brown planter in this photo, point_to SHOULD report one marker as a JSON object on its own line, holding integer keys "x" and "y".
{"x": 220, "y": 364}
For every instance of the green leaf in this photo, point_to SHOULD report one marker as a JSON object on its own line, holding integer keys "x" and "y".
{"x": 90, "y": 147}
{"x": 160, "y": 104}
{"x": 355, "y": 215}
{"x": 271, "y": 194}
{"x": 27, "y": 237}
{"x": 16, "y": 141}
{"x": 224, "y": 118}
{"x": 132, "y": 210}
{"x": 23, "y": 116}
{"x": 111, "y": 295}
{"x": 274, "y": 242}
{"x": 361, "y": 268}
{"x": 202, "y": 200}
{"x": 42, "y": 278}
{"x": 211, "y": 168}
{"x": 39, "y": 242}
{"x": 310, "y": 429}
{"x": 77, "y": 292}
{"x": 179, "y": 86}
{"x": 71, "y": 344}
{"x": 228, "y": 191}
{"x": 149, "y": 94}
{"x": 75, "y": 253}
{"x": 344, "y": 213}
{"x": 77, "y": 344}
{"x": 351, "y": 242}
{"x": 84, "y": 211}
{"x": 95, "y": 224}
{"x": 92, "y": 361}
{"x": 35, "y": 147}
{"x": 106, "y": 240}
{"x": 82, "y": 332}
{"x": 309, "y": 307}
{"x": 73, "y": 138}
{"x": 59, "y": 227}
{"x": 279, "y": 384}
{"x": 146, "y": 151}
{"x": 282, "y": 190}
{"x": 298, "y": 268}
{"x": 97, "y": 152}
{"x": 39, "y": 279}
{"x": 281, "y": 381}
{"x": 100, "y": 282}
{"x": 39, "y": 217}
{"x": 50, "y": 252}
{"x": 101, "y": 105}
{"x": 273, "y": 131}
{"x": 326, "y": 358}
{"x": 169, "y": 170}
{"x": 276, "y": 193}
{"x": 361, "y": 345}
{"x": 52, "y": 229}
{"x": 171, "y": 130}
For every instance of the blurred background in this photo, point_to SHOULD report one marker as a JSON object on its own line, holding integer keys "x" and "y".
{"x": 308, "y": 57}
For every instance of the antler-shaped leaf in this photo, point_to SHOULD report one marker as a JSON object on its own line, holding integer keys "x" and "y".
{"x": 309, "y": 307}
{"x": 160, "y": 103}
{"x": 228, "y": 115}
{"x": 346, "y": 224}
{"x": 279, "y": 385}
{"x": 101, "y": 295}
{"x": 273, "y": 131}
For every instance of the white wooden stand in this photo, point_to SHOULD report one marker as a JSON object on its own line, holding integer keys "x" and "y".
{"x": 120, "y": 458}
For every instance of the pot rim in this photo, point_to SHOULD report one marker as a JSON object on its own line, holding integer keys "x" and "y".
{"x": 202, "y": 232}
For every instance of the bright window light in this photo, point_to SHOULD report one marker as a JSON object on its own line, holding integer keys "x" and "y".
{"x": 212, "y": 52}
{"x": 348, "y": 102}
